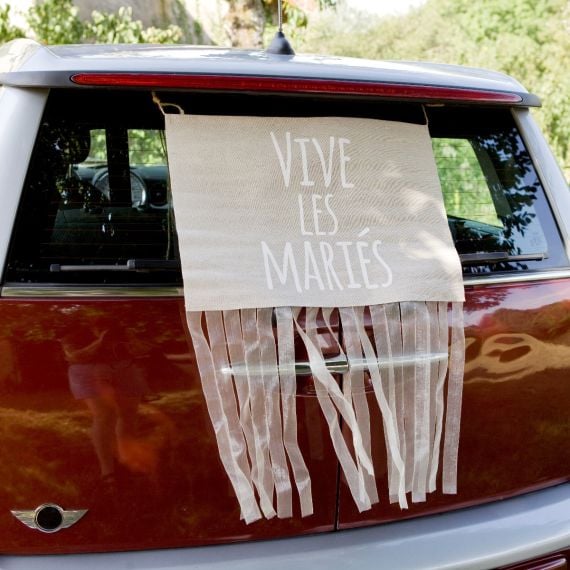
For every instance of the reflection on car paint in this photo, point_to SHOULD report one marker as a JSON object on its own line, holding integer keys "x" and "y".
{"x": 515, "y": 421}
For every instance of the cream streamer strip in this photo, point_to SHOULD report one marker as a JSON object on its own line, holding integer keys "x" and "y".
{"x": 454, "y": 395}
{"x": 354, "y": 390}
{"x": 394, "y": 321}
{"x": 221, "y": 407}
{"x": 353, "y": 322}
{"x": 382, "y": 337}
{"x": 422, "y": 448}
{"x": 286, "y": 347}
{"x": 270, "y": 380}
{"x": 258, "y": 412}
{"x": 441, "y": 339}
{"x": 236, "y": 350}
{"x": 329, "y": 396}
{"x": 408, "y": 325}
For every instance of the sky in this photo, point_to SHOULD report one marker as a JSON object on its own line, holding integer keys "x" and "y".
{"x": 384, "y": 7}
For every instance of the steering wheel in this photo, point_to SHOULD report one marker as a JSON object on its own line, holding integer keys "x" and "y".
{"x": 139, "y": 193}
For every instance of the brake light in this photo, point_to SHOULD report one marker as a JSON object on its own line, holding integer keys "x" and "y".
{"x": 292, "y": 85}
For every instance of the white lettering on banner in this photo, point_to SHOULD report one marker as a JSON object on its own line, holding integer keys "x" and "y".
{"x": 332, "y": 221}
{"x": 321, "y": 262}
{"x": 288, "y": 263}
{"x": 286, "y": 158}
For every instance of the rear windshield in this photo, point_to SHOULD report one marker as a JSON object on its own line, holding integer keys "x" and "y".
{"x": 96, "y": 207}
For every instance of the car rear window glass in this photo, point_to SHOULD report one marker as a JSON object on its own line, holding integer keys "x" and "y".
{"x": 96, "y": 205}
{"x": 497, "y": 211}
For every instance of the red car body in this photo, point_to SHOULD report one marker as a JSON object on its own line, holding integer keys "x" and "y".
{"x": 171, "y": 488}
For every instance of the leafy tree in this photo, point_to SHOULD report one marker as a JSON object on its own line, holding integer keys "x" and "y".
{"x": 119, "y": 27}
{"x": 7, "y": 30}
{"x": 528, "y": 39}
{"x": 56, "y": 22}
{"x": 244, "y": 23}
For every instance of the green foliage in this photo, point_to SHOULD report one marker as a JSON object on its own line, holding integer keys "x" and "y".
{"x": 294, "y": 16}
{"x": 296, "y": 19}
{"x": 114, "y": 28}
{"x": 56, "y": 22}
{"x": 7, "y": 30}
{"x": 170, "y": 35}
{"x": 120, "y": 28}
{"x": 465, "y": 189}
{"x": 528, "y": 39}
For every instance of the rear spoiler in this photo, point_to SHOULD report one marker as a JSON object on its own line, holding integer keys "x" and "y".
{"x": 266, "y": 84}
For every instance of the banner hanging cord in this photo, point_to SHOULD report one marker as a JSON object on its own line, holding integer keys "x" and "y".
{"x": 425, "y": 115}
{"x": 162, "y": 106}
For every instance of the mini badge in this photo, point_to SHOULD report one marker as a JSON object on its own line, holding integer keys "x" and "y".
{"x": 49, "y": 518}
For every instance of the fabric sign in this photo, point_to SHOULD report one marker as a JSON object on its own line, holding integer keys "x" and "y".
{"x": 282, "y": 222}
{"x": 308, "y": 211}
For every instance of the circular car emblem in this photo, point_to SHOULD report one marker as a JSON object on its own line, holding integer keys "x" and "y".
{"x": 49, "y": 517}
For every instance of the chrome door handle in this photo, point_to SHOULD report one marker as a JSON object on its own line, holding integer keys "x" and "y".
{"x": 341, "y": 365}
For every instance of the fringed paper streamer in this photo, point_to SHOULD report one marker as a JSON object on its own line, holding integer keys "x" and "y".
{"x": 286, "y": 346}
{"x": 236, "y": 349}
{"x": 270, "y": 382}
{"x": 354, "y": 390}
{"x": 333, "y": 402}
{"x": 388, "y": 338}
{"x": 355, "y": 333}
{"x": 394, "y": 357}
{"x": 439, "y": 344}
{"x": 223, "y": 414}
{"x": 237, "y": 355}
{"x": 250, "y": 370}
{"x": 422, "y": 365}
{"x": 454, "y": 396}
{"x": 405, "y": 354}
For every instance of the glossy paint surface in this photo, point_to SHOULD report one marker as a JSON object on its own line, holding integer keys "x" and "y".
{"x": 170, "y": 488}
{"x": 95, "y": 385}
{"x": 515, "y": 422}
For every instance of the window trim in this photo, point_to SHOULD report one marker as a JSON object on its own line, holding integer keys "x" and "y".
{"x": 548, "y": 171}
{"x": 46, "y": 291}
{"x": 57, "y": 290}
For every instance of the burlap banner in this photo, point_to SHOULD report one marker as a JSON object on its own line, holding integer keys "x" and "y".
{"x": 281, "y": 221}
{"x": 315, "y": 212}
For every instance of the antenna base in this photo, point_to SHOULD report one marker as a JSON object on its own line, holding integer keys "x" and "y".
{"x": 280, "y": 45}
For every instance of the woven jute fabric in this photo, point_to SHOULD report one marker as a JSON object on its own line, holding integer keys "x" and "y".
{"x": 317, "y": 212}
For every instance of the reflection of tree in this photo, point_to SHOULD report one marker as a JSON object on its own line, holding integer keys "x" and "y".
{"x": 150, "y": 329}
{"x": 486, "y": 298}
{"x": 545, "y": 323}
{"x": 512, "y": 344}
{"x": 514, "y": 188}
{"x": 512, "y": 166}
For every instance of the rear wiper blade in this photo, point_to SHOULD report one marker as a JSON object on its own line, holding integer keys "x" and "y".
{"x": 498, "y": 257}
{"x": 131, "y": 265}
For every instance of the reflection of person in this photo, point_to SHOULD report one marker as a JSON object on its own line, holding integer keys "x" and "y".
{"x": 111, "y": 384}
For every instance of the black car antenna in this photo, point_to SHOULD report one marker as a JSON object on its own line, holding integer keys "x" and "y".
{"x": 280, "y": 44}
